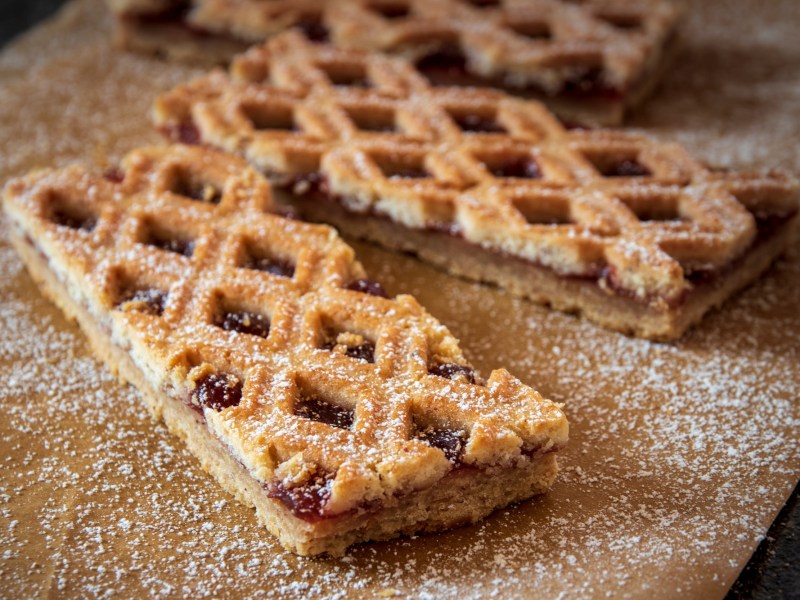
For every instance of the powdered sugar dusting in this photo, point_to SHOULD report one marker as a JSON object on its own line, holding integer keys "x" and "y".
{"x": 680, "y": 454}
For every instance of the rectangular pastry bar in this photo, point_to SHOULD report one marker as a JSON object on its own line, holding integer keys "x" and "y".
{"x": 633, "y": 233}
{"x": 590, "y": 61}
{"x": 340, "y": 414}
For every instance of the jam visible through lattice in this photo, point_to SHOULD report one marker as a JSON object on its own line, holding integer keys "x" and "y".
{"x": 257, "y": 259}
{"x": 151, "y": 301}
{"x": 217, "y": 391}
{"x": 450, "y": 441}
{"x": 367, "y": 286}
{"x": 171, "y": 243}
{"x": 475, "y": 123}
{"x": 353, "y": 345}
{"x": 306, "y": 501}
{"x": 187, "y": 185}
{"x": 522, "y": 167}
{"x": 243, "y": 321}
{"x": 315, "y": 408}
{"x": 618, "y": 167}
{"x": 391, "y": 10}
{"x": 453, "y": 371}
{"x": 68, "y": 215}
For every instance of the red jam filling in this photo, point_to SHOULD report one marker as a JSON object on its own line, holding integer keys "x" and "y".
{"x": 626, "y": 168}
{"x": 367, "y": 286}
{"x": 477, "y": 124}
{"x": 245, "y": 322}
{"x": 151, "y": 301}
{"x": 217, "y": 391}
{"x": 322, "y": 411}
{"x": 453, "y": 371}
{"x": 73, "y": 220}
{"x": 450, "y": 441}
{"x": 268, "y": 264}
{"x": 114, "y": 175}
{"x": 313, "y": 28}
{"x": 288, "y": 212}
{"x": 306, "y": 502}
{"x": 185, "y": 133}
{"x": 392, "y": 11}
{"x": 171, "y": 244}
{"x": 448, "y": 66}
{"x": 523, "y": 167}
{"x": 364, "y": 351}
{"x": 196, "y": 190}
{"x": 315, "y": 186}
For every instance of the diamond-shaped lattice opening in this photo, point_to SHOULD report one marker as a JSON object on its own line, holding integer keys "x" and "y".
{"x": 217, "y": 391}
{"x": 450, "y": 441}
{"x": 316, "y": 407}
{"x": 544, "y": 210}
{"x": 510, "y": 165}
{"x": 348, "y": 343}
{"x": 653, "y": 207}
{"x": 258, "y": 258}
{"x": 270, "y": 116}
{"x": 231, "y": 317}
{"x": 71, "y": 214}
{"x": 618, "y": 165}
{"x": 313, "y": 27}
{"x": 453, "y": 371}
{"x": 372, "y": 118}
{"x": 138, "y": 296}
{"x": 346, "y": 74}
{"x": 402, "y": 167}
{"x": 367, "y": 286}
{"x": 626, "y": 22}
{"x": 391, "y": 10}
{"x": 164, "y": 239}
{"x": 447, "y": 65}
{"x": 188, "y": 184}
{"x": 308, "y": 500}
{"x": 535, "y": 30}
{"x": 476, "y": 121}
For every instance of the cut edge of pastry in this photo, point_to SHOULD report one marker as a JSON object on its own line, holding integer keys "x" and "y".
{"x": 582, "y": 298}
{"x": 506, "y": 452}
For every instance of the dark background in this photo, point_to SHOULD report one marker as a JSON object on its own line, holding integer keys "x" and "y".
{"x": 774, "y": 570}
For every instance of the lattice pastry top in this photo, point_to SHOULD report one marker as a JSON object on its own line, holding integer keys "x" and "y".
{"x": 320, "y": 385}
{"x": 641, "y": 216}
{"x": 556, "y": 46}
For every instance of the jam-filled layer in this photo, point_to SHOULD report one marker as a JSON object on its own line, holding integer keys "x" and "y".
{"x": 449, "y": 67}
{"x": 314, "y": 186}
{"x": 308, "y": 501}
{"x": 219, "y": 391}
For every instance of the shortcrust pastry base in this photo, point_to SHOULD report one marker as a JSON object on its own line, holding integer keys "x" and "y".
{"x": 572, "y": 295}
{"x": 464, "y": 496}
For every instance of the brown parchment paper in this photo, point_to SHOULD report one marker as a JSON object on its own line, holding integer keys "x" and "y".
{"x": 680, "y": 455}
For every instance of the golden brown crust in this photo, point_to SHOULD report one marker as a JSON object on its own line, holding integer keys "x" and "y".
{"x": 641, "y": 217}
{"x": 550, "y": 48}
{"x": 160, "y": 254}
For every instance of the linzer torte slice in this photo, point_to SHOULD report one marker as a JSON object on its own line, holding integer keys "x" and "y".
{"x": 631, "y": 232}
{"x": 590, "y": 60}
{"x": 340, "y": 414}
